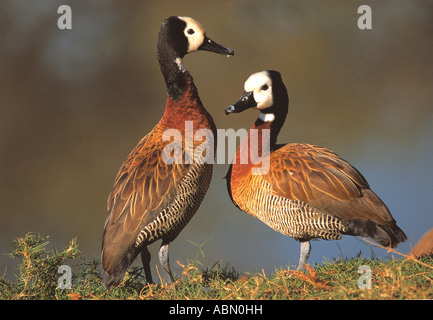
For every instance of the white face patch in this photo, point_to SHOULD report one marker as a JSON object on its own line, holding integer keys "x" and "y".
{"x": 194, "y": 32}
{"x": 261, "y": 85}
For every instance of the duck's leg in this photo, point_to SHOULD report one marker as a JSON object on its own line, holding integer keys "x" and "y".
{"x": 145, "y": 259}
{"x": 164, "y": 260}
{"x": 304, "y": 254}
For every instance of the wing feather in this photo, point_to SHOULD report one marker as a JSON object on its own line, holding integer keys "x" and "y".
{"x": 143, "y": 184}
{"x": 319, "y": 177}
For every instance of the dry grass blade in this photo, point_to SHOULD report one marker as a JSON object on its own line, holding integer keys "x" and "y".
{"x": 311, "y": 277}
{"x": 389, "y": 249}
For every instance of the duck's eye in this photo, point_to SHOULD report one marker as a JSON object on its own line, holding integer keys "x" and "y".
{"x": 190, "y": 31}
{"x": 264, "y": 87}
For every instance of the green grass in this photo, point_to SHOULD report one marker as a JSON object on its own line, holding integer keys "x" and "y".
{"x": 404, "y": 278}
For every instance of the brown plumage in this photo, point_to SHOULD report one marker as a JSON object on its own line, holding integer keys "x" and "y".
{"x": 152, "y": 199}
{"x": 309, "y": 191}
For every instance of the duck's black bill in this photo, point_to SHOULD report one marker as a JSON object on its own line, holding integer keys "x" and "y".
{"x": 210, "y": 45}
{"x": 245, "y": 102}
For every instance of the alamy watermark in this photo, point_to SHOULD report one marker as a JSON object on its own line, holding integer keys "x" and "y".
{"x": 364, "y": 281}
{"x": 198, "y": 147}
{"x": 65, "y": 280}
{"x": 64, "y": 22}
{"x": 365, "y": 20}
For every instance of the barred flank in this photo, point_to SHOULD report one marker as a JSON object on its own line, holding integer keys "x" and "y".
{"x": 189, "y": 194}
{"x": 293, "y": 218}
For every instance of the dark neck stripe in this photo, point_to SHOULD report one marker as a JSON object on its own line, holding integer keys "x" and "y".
{"x": 171, "y": 47}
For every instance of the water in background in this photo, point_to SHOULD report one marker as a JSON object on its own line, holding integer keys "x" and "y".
{"x": 73, "y": 103}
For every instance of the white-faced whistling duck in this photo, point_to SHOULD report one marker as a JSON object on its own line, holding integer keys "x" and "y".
{"x": 151, "y": 199}
{"x": 308, "y": 191}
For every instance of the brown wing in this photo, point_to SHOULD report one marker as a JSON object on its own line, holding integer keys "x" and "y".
{"x": 143, "y": 184}
{"x": 319, "y": 177}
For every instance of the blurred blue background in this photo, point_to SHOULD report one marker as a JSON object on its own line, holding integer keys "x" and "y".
{"x": 73, "y": 103}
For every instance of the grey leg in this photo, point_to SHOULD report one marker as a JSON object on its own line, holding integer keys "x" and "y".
{"x": 145, "y": 259}
{"x": 305, "y": 253}
{"x": 164, "y": 260}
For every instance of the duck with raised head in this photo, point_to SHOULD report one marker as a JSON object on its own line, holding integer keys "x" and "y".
{"x": 307, "y": 191}
{"x": 153, "y": 198}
